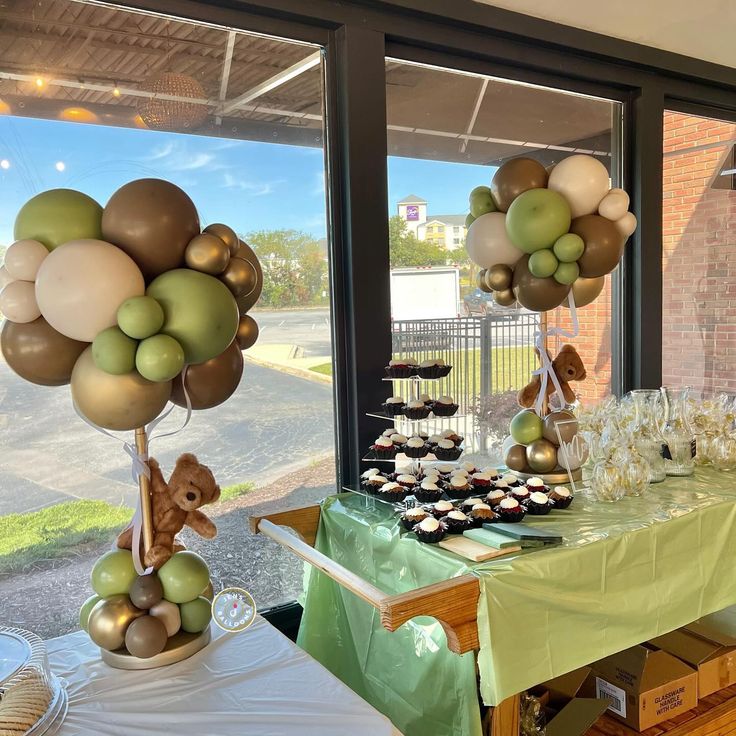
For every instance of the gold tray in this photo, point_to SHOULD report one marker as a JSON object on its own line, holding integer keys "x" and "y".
{"x": 179, "y": 647}
{"x": 559, "y": 479}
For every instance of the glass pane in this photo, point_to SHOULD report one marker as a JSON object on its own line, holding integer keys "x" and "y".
{"x": 699, "y": 253}
{"x": 93, "y": 97}
{"x": 448, "y": 132}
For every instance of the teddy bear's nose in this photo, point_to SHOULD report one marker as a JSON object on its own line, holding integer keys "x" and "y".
{"x": 190, "y": 496}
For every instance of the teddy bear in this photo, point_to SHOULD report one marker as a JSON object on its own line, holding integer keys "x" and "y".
{"x": 568, "y": 366}
{"x": 175, "y": 505}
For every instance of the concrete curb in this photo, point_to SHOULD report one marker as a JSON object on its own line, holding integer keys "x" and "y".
{"x": 291, "y": 370}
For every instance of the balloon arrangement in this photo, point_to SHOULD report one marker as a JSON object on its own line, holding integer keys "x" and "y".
{"x": 131, "y": 304}
{"x": 539, "y": 235}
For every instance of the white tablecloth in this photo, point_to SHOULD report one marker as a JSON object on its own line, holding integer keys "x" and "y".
{"x": 256, "y": 683}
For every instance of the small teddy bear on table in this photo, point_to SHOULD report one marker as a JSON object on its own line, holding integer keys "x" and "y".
{"x": 175, "y": 505}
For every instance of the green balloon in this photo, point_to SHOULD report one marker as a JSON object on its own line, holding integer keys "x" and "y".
{"x": 85, "y": 610}
{"x": 113, "y": 573}
{"x": 159, "y": 358}
{"x": 200, "y": 312}
{"x": 526, "y": 427}
{"x": 542, "y": 263}
{"x": 195, "y": 615}
{"x": 469, "y": 220}
{"x": 114, "y": 352}
{"x": 184, "y": 576}
{"x": 57, "y": 216}
{"x": 568, "y": 248}
{"x": 140, "y": 317}
{"x": 481, "y": 201}
{"x": 567, "y": 273}
{"x": 536, "y": 219}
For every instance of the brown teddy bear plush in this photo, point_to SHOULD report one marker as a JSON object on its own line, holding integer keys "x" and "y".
{"x": 175, "y": 505}
{"x": 568, "y": 366}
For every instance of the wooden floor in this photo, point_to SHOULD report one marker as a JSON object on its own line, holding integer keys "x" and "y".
{"x": 714, "y": 716}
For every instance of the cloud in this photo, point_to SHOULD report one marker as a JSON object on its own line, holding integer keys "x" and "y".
{"x": 162, "y": 151}
{"x": 255, "y": 189}
{"x": 193, "y": 162}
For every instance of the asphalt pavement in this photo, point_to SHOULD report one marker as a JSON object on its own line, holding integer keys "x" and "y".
{"x": 307, "y": 328}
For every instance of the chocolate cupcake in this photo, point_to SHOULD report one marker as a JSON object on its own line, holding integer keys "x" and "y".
{"x": 561, "y": 497}
{"x": 482, "y": 482}
{"x": 426, "y": 399}
{"x": 401, "y": 470}
{"x": 392, "y": 491}
{"x": 536, "y": 484}
{"x": 444, "y": 406}
{"x": 440, "y": 509}
{"x": 430, "y": 530}
{"x": 429, "y": 474}
{"x": 367, "y": 474}
{"x": 521, "y": 494}
{"x": 433, "y": 439}
{"x": 495, "y": 497}
{"x": 469, "y": 467}
{"x": 415, "y": 409}
{"x": 428, "y": 491}
{"x": 510, "y": 510}
{"x": 481, "y": 514}
{"x": 403, "y": 368}
{"x": 411, "y": 517}
{"x": 422, "y": 434}
{"x": 398, "y": 439}
{"x": 430, "y": 368}
{"x": 493, "y": 472}
{"x": 511, "y": 480}
{"x": 393, "y": 406}
{"x": 446, "y": 450}
{"x": 443, "y": 369}
{"x": 383, "y": 449}
{"x": 450, "y": 434}
{"x": 407, "y": 480}
{"x": 539, "y": 504}
{"x": 458, "y": 487}
{"x": 457, "y": 522}
{"x": 374, "y": 483}
{"x": 415, "y": 447}
{"x": 445, "y": 470}
{"x": 468, "y": 504}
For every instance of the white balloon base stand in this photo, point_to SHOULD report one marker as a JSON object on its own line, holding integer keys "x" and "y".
{"x": 559, "y": 478}
{"x": 179, "y": 647}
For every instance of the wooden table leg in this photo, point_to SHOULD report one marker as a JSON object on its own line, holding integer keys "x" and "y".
{"x": 506, "y": 716}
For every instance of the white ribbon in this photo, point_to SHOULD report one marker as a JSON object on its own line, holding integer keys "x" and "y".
{"x": 546, "y": 370}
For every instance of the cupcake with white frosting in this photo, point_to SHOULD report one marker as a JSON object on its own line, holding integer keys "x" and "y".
{"x": 415, "y": 447}
{"x": 416, "y": 409}
{"x": 426, "y": 399}
{"x": 511, "y": 480}
{"x": 368, "y": 474}
{"x": 383, "y": 449}
{"x": 458, "y": 487}
{"x": 481, "y": 481}
{"x": 444, "y": 406}
{"x": 451, "y": 434}
{"x": 539, "y": 503}
{"x": 446, "y": 450}
{"x": 561, "y": 497}
{"x": 428, "y": 491}
{"x": 393, "y": 406}
{"x": 374, "y": 483}
{"x": 468, "y": 503}
{"x": 495, "y": 497}
{"x": 440, "y": 509}
{"x": 510, "y": 510}
{"x": 481, "y": 514}
{"x": 433, "y": 368}
{"x": 411, "y": 517}
{"x": 536, "y": 484}
{"x": 398, "y": 439}
{"x": 408, "y": 480}
{"x": 430, "y": 530}
{"x": 457, "y": 522}
{"x": 393, "y": 492}
{"x": 402, "y": 367}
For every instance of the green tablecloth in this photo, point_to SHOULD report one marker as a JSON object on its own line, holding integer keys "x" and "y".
{"x": 626, "y": 573}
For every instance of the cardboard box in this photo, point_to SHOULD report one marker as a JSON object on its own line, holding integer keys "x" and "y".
{"x": 645, "y": 686}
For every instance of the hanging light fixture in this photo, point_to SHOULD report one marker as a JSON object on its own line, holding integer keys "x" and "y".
{"x": 161, "y": 112}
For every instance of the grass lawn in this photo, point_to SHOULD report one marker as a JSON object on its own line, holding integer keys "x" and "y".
{"x": 324, "y": 368}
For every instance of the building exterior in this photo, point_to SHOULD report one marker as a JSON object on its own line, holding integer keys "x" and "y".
{"x": 447, "y": 231}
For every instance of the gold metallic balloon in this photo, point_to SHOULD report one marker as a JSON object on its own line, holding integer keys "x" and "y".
{"x": 499, "y": 277}
{"x": 541, "y": 456}
{"x": 240, "y": 277}
{"x": 109, "y": 620}
{"x": 208, "y": 254}
{"x": 585, "y": 291}
{"x": 248, "y": 300}
{"x": 515, "y": 458}
{"x": 121, "y": 402}
{"x": 505, "y": 298}
{"x": 480, "y": 281}
{"x": 539, "y": 295}
{"x": 515, "y": 177}
{"x": 247, "y": 332}
{"x": 226, "y": 234}
{"x": 567, "y": 430}
{"x": 604, "y": 245}
{"x": 146, "y": 637}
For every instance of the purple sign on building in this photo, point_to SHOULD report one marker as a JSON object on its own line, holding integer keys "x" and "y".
{"x": 412, "y": 212}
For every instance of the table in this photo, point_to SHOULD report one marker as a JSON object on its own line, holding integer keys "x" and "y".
{"x": 626, "y": 573}
{"x": 257, "y": 682}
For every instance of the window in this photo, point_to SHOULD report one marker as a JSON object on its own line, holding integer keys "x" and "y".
{"x": 699, "y": 221}
{"x": 96, "y": 113}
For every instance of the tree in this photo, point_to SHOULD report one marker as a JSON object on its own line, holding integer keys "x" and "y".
{"x": 405, "y": 249}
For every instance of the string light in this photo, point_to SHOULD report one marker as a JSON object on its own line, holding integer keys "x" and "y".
{"x": 116, "y": 91}
{"x": 40, "y": 82}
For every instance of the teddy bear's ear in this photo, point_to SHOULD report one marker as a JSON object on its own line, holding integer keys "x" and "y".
{"x": 187, "y": 459}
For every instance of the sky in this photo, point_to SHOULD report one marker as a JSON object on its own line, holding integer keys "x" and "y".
{"x": 247, "y": 185}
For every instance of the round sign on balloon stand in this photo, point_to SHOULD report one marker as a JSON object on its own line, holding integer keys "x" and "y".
{"x": 545, "y": 238}
{"x": 136, "y": 308}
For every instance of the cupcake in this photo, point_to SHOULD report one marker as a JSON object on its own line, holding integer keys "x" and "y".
{"x": 536, "y": 484}
{"x": 428, "y": 491}
{"x": 430, "y": 369}
{"x": 440, "y": 509}
{"x": 469, "y": 467}
{"x": 415, "y": 409}
{"x": 468, "y": 504}
{"x": 510, "y": 510}
{"x": 457, "y": 522}
{"x": 415, "y": 447}
{"x": 383, "y": 449}
{"x": 374, "y": 483}
{"x": 426, "y": 399}
{"x": 481, "y": 481}
{"x": 422, "y": 434}
{"x": 444, "y": 469}
{"x": 368, "y": 474}
{"x": 539, "y": 504}
{"x": 459, "y": 471}
{"x": 393, "y": 406}
{"x": 561, "y": 497}
{"x": 411, "y": 517}
{"x": 493, "y": 472}
{"x": 388, "y": 432}
{"x": 398, "y": 439}
{"x": 495, "y": 497}
{"x": 449, "y": 434}
{"x": 407, "y": 480}
{"x": 446, "y": 450}
{"x": 402, "y": 368}
{"x": 429, "y": 474}
{"x": 521, "y": 494}
{"x": 481, "y": 514}
{"x": 443, "y": 369}
{"x": 502, "y": 485}
{"x": 458, "y": 487}
{"x": 402, "y": 470}
{"x": 444, "y": 407}
{"x": 432, "y": 441}
{"x": 430, "y": 530}
{"x": 511, "y": 480}
{"x": 393, "y": 492}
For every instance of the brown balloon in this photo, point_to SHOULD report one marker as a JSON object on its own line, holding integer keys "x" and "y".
{"x": 480, "y": 281}
{"x": 247, "y": 332}
{"x": 210, "y": 383}
{"x": 539, "y": 295}
{"x": 585, "y": 291}
{"x": 541, "y": 456}
{"x": 604, "y": 245}
{"x": 146, "y": 591}
{"x": 515, "y": 177}
{"x": 110, "y": 619}
{"x": 504, "y": 298}
{"x": 226, "y": 234}
{"x": 121, "y": 402}
{"x": 515, "y": 458}
{"x": 567, "y": 430}
{"x": 247, "y": 301}
{"x": 38, "y": 353}
{"x": 240, "y": 277}
{"x": 152, "y": 220}
{"x": 208, "y": 254}
{"x": 146, "y": 637}
{"x": 499, "y": 277}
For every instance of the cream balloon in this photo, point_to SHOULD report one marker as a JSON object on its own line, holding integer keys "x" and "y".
{"x": 81, "y": 284}
{"x": 5, "y": 277}
{"x": 626, "y": 225}
{"x": 614, "y": 205}
{"x": 488, "y": 244}
{"x": 169, "y": 614}
{"x": 582, "y": 180}
{"x": 18, "y": 302}
{"x": 23, "y": 259}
